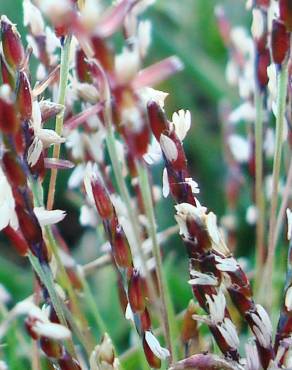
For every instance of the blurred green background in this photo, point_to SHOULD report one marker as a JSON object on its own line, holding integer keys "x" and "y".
{"x": 187, "y": 29}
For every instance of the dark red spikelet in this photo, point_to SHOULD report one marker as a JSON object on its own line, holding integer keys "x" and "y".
{"x": 152, "y": 359}
{"x": 9, "y": 122}
{"x": 263, "y": 61}
{"x": 24, "y": 96}
{"x": 102, "y": 200}
{"x": 280, "y": 42}
{"x": 12, "y": 47}
{"x": 286, "y": 13}
{"x": 7, "y": 76}
{"x": 136, "y": 292}
{"x": 51, "y": 348}
{"x": 145, "y": 320}
{"x": 121, "y": 249}
{"x": 30, "y": 228}
{"x": 82, "y": 67}
{"x": 157, "y": 119}
{"x": 13, "y": 170}
{"x": 16, "y": 239}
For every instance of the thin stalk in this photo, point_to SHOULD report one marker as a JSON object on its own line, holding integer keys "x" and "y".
{"x": 63, "y": 313}
{"x": 114, "y": 157}
{"x": 64, "y": 74}
{"x": 105, "y": 260}
{"x": 284, "y": 203}
{"x": 35, "y": 356}
{"x": 281, "y": 105}
{"x": 64, "y": 279}
{"x": 68, "y": 287}
{"x": 149, "y": 209}
{"x": 92, "y": 304}
{"x": 46, "y": 278}
{"x": 96, "y": 264}
{"x": 259, "y": 194}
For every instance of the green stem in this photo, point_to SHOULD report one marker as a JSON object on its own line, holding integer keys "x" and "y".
{"x": 64, "y": 74}
{"x": 92, "y": 304}
{"x": 281, "y": 107}
{"x": 63, "y": 276}
{"x": 13, "y": 335}
{"x": 162, "y": 284}
{"x": 63, "y": 313}
{"x": 284, "y": 203}
{"x": 259, "y": 194}
{"x": 45, "y": 275}
{"x": 111, "y": 146}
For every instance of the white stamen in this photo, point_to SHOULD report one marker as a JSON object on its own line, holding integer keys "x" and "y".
{"x": 202, "y": 279}
{"x": 263, "y": 327}
{"x": 252, "y": 357}
{"x": 169, "y": 148}
{"x": 155, "y": 346}
{"x": 216, "y": 305}
{"x": 46, "y": 217}
{"x": 228, "y": 331}
{"x": 288, "y": 299}
{"x": 226, "y": 264}
{"x": 34, "y": 151}
{"x": 181, "y": 121}
{"x": 7, "y": 204}
{"x": 193, "y": 184}
{"x": 165, "y": 183}
{"x": 51, "y": 330}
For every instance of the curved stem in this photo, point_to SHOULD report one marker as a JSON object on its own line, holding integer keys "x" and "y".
{"x": 281, "y": 106}
{"x": 259, "y": 194}
{"x": 64, "y": 279}
{"x": 45, "y": 275}
{"x": 64, "y": 73}
{"x": 111, "y": 146}
{"x": 92, "y": 304}
{"x": 162, "y": 284}
{"x": 284, "y": 203}
{"x": 110, "y": 140}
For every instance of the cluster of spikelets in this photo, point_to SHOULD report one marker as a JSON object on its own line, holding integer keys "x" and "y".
{"x": 119, "y": 110}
